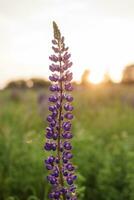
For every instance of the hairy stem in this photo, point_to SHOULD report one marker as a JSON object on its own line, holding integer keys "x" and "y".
{"x": 60, "y": 131}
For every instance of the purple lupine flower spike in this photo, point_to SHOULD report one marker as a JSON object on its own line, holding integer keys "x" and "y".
{"x": 58, "y": 133}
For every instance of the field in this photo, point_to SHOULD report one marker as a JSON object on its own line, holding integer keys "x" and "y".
{"x": 103, "y": 143}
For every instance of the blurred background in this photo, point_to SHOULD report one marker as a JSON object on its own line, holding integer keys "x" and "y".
{"x": 100, "y": 35}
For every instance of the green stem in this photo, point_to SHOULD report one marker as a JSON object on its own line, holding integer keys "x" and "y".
{"x": 60, "y": 131}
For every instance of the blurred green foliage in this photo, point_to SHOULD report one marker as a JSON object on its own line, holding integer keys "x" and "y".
{"x": 103, "y": 143}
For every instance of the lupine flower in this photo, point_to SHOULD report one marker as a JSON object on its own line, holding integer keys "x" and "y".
{"x": 58, "y": 133}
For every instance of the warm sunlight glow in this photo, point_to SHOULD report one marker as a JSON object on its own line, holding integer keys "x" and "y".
{"x": 99, "y": 39}
{"x": 96, "y": 77}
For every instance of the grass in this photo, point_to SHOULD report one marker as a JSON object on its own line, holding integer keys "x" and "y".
{"x": 103, "y": 143}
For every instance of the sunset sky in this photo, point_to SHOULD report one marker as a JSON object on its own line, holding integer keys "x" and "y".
{"x": 100, "y": 34}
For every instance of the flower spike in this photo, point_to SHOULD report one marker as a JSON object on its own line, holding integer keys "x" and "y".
{"x": 58, "y": 133}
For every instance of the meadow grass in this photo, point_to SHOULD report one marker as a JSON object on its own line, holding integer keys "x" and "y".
{"x": 103, "y": 144}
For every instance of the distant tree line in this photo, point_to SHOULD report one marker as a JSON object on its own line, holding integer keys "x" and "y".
{"x": 128, "y": 74}
{"x": 25, "y": 84}
{"x": 35, "y": 83}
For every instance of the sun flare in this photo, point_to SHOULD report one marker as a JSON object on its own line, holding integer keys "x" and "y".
{"x": 96, "y": 77}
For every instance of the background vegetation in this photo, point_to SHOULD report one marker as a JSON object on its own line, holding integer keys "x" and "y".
{"x": 103, "y": 142}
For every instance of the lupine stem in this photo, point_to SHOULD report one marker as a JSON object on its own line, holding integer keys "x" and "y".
{"x": 59, "y": 134}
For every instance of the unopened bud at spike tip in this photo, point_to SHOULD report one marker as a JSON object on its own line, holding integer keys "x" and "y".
{"x": 57, "y": 34}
